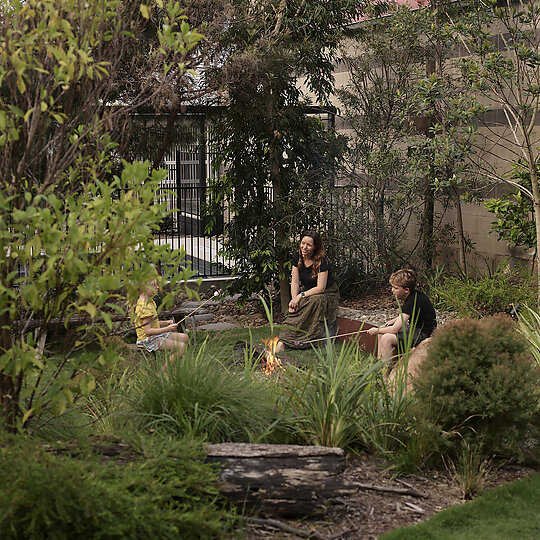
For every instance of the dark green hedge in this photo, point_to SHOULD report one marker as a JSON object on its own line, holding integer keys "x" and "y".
{"x": 170, "y": 493}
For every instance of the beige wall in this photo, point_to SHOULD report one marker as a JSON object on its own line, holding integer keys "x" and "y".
{"x": 477, "y": 225}
{"x": 497, "y": 147}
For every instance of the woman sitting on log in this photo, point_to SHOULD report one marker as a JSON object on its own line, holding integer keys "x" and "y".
{"x": 315, "y": 296}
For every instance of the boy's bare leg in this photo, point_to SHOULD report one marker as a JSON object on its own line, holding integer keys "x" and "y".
{"x": 385, "y": 346}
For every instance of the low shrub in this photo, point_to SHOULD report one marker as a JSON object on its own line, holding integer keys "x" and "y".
{"x": 480, "y": 385}
{"x": 169, "y": 494}
{"x": 482, "y": 294}
{"x": 200, "y": 398}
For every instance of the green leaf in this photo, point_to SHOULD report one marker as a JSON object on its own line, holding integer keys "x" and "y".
{"x": 27, "y": 415}
{"x": 144, "y": 11}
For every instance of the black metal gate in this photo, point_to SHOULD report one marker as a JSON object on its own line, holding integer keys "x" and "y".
{"x": 185, "y": 193}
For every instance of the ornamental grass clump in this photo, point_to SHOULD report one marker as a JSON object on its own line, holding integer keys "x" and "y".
{"x": 200, "y": 398}
{"x": 480, "y": 385}
{"x": 325, "y": 404}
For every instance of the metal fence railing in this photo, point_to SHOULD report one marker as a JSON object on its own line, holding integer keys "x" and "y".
{"x": 189, "y": 225}
{"x": 341, "y": 214}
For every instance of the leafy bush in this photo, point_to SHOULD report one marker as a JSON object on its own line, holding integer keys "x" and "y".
{"x": 201, "y": 398}
{"x": 325, "y": 403}
{"x": 482, "y": 294}
{"x": 480, "y": 383}
{"x": 169, "y": 494}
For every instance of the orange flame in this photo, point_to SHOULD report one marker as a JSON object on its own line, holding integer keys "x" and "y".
{"x": 273, "y": 363}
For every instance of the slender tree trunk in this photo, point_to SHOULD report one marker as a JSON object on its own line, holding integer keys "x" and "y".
{"x": 9, "y": 404}
{"x": 428, "y": 244}
{"x": 281, "y": 236}
{"x": 10, "y": 384}
{"x": 461, "y": 233}
{"x": 428, "y": 216}
{"x": 167, "y": 136}
{"x": 536, "y": 208}
{"x": 380, "y": 229}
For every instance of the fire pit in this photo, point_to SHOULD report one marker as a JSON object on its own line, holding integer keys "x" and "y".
{"x": 349, "y": 330}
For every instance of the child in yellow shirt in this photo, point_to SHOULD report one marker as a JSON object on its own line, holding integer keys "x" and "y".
{"x": 153, "y": 334}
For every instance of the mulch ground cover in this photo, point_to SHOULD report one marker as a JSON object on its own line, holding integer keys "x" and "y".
{"x": 384, "y": 503}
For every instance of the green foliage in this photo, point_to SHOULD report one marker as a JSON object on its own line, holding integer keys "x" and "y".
{"x": 470, "y": 470}
{"x": 388, "y": 422}
{"x": 325, "y": 403}
{"x": 385, "y": 416}
{"x": 480, "y": 385}
{"x": 383, "y": 64}
{"x": 303, "y": 157}
{"x": 266, "y": 138}
{"x": 76, "y": 222}
{"x": 529, "y": 326}
{"x": 514, "y": 212}
{"x": 201, "y": 398}
{"x": 482, "y": 293}
{"x": 170, "y": 493}
{"x": 507, "y": 79}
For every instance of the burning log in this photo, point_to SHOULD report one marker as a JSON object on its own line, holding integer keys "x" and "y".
{"x": 280, "y": 480}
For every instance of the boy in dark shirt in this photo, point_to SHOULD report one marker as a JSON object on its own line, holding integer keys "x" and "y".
{"x": 416, "y": 307}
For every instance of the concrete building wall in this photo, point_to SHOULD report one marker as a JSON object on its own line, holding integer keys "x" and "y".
{"x": 496, "y": 145}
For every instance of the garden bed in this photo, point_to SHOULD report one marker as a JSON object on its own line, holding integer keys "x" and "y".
{"x": 372, "y": 512}
{"x": 381, "y": 503}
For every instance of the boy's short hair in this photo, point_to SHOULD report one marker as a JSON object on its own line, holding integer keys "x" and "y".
{"x": 404, "y": 278}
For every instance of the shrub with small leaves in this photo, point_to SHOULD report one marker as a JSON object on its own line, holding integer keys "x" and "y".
{"x": 480, "y": 385}
{"x": 165, "y": 492}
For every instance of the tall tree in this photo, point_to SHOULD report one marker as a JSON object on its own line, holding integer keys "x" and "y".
{"x": 503, "y": 39}
{"x": 411, "y": 122}
{"x": 384, "y": 61}
{"x": 76, "y": 223}
{"x": 269, "y": 45}
{"x": 447, "y": 110}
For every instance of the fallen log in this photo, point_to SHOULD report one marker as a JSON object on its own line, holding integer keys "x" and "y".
{"x": 280, "y": 480}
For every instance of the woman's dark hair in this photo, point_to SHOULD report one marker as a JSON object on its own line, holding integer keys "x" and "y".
{"x": 318, "y": 255}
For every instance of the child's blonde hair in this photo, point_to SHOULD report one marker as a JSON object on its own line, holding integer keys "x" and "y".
{"x": 404, "y": 278}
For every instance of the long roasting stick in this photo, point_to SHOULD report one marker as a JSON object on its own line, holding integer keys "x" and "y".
{"x": 335, "y": 337}
{"x": 207, "y": 300}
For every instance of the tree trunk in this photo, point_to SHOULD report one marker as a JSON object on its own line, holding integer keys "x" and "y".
{"x": 9, "y": 404}
{"x": 428, "y": 244}
{"x": 167, "y": 136}
{"x": 536, "y": 208}
{"x": 282, "y": 480}
{"x": 429, "y": 192}
{"x": 9, "y": 384}
{"x": 281, "y": 236}
{"x": 284, "y": 289}
{"x": 461, "y": 234}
